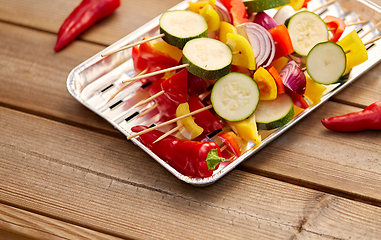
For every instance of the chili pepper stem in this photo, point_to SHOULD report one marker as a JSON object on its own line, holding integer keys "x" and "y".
{"x": 155, "y": 73}
{"x": 169, "y": 122}
{"x": 132, "y": 45}
{"x": 150, "y": 98}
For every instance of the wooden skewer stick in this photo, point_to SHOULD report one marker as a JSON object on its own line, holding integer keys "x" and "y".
{"x": 133, "y": 45}
{"x": 148, "y": 110}
{"x": 155, "y": 73}
{"x": 167, "y": 133}
{"x": 169, "y": 122}
{"x": 150, "y": 98}
{"x": 355, "y": 23}
{"x": 125, "y": 85}
{"x": 370, "y": 30}
{"x": 373, "y": 40}
{"x": 325, "y": 4}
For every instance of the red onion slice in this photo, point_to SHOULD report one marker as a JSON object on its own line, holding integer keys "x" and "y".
{"x": 260, "y": 40}
{"x": 293, "y": 77}
{"x": 265, "y": 20}
{"x": 223, "y": 12}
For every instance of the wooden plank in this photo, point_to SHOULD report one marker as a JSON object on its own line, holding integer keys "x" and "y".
{"x": 49, "y": 15}
{"x": 105, "y": 183}
{"x": 24, "y": 225}
{"x": 34, "y": 77}
{"x": 310, "y": 155}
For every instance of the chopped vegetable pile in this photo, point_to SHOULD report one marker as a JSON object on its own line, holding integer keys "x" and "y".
{"x": 257, "y": 71}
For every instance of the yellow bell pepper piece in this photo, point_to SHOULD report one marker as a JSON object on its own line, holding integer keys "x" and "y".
{"x": 188, "y": 128}
{"x": 296, "y": 4}
{"x": 226, "y": 28}
{"x": 247, "y": 129}
{"x": 314, "y": 90}
{"x": 196, "y": 6}
{"x": 172, "y": 51}
{"x": 279, "y": 63}
{"x": 211, "y": 17}
{"x": 297, "y": 110}
{"x": 354, "y": 49}
{"x": 266, "y": 84}
{"x": 243, "y": 54}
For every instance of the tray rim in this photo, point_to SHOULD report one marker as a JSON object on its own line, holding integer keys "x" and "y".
{"x": 200, "y": 182}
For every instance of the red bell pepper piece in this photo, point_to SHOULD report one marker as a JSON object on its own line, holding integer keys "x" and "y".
{"x": 297, "y": 99}
{"x": 369, "y": 118}
{"x": 191, "y": 158}
{"x": 175, "y": 92}
{"x": 237, "y": 10}
{"x": 204, "y": 119}
{"x": 336, "y": 27}
{"x": 278, "y": 80}
{"x": 231, "y": 140}
{"x": 83, "y": 17}
{"x": 305, "y": 4}
{"x": 282, "y": 40}
{"x": 147, "y": 57}
{"x": 196, "y": 85}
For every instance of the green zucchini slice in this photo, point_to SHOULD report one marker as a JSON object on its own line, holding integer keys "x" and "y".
{"x": 208, "y": 58}
{"x": 180, "y": 26}
{"x": 274, "y": 113}
{"x": 326, "y": 63}
{"x": 306, "y": 29}
{"x": 235, "y": 96}
{"x": 253, "y": 6}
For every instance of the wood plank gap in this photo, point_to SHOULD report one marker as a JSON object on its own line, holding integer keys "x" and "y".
{"x": 310, "y": 185}
{"x": 115, "y": 133}
{"x": 54, "y": 33}
{"x": 345, "y": 102}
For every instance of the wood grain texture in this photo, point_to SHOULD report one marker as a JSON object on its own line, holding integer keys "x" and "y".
{"x": 105, "y": 183}
{"x": 49, "y": 15}
{"x": 24, "y": 225}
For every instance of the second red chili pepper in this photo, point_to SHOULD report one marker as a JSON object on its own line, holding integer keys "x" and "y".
{"x": 83, "y": 17}
{"x": 369, "y": 118}
{"x": 191, "y": 158}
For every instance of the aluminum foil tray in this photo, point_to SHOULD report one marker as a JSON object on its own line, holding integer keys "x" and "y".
{"x": 94, "y": 81}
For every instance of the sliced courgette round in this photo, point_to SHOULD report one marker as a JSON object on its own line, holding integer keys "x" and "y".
{"x": 208, "y": 58}
{"x": 180, "y": 26}
{"x": 306, "y": 29}
{"x": 253, "y": 6}
{"x": 235, "y": 96}
{"x": 274, "y": 113}
{"x": 326, "y": 62}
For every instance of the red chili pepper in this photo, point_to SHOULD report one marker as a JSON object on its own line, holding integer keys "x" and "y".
{"x": 191, "y": 158}
{"x": 204, "y": 119}
{"x": 282, "y": 40}
{"x": 336, "y": 26}
{"x": 147, "y": 57}
{"x": 369, "y": 118}
{"x": 83, "y": 17}
{"x": 175, "y": 92}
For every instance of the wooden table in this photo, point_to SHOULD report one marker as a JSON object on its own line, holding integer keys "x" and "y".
{"x": 68, "y": 174}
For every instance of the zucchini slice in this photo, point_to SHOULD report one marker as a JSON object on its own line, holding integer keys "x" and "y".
{"x": 208, "y": 58}
{"x": 326, "y": 62}
{"x": 274, "y": 113}
{"x": 306, "y": 30}
{"x": 180, "y": 26}
{"x": 235, "y": 96}
{"x": 261, "y": 5}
